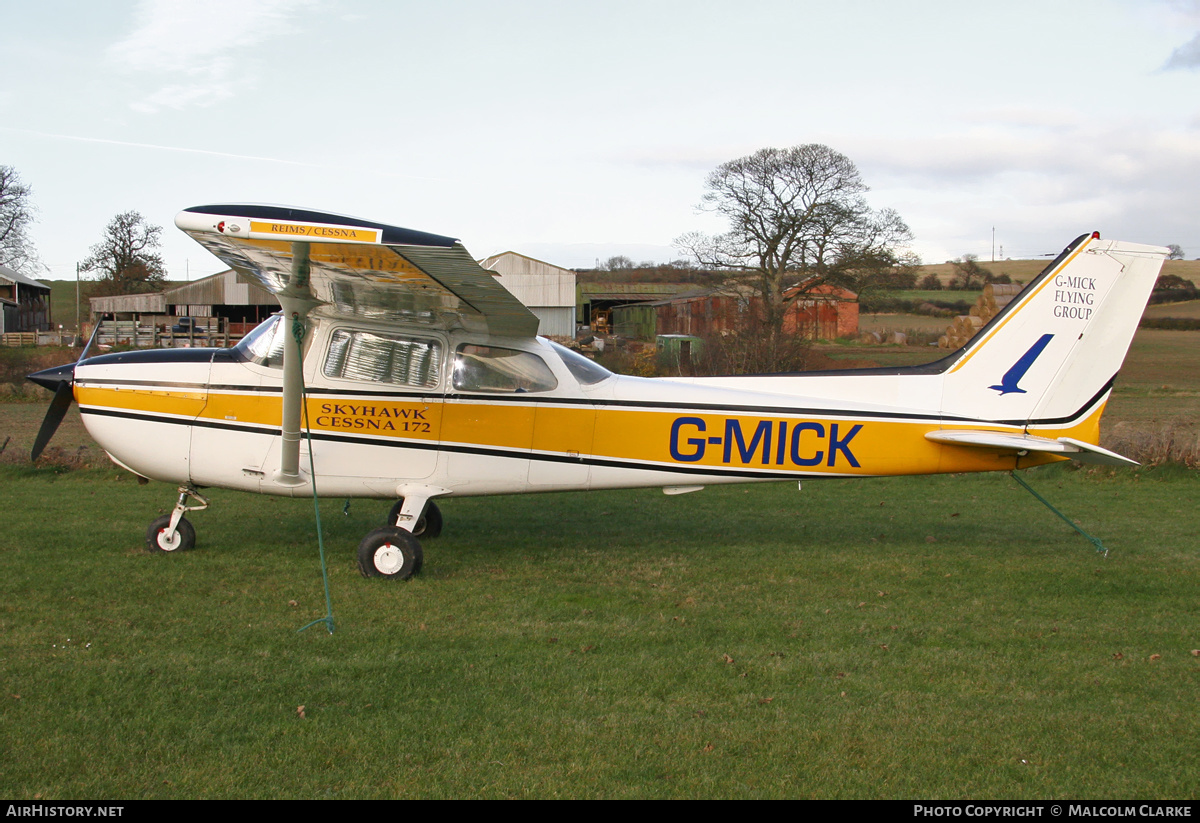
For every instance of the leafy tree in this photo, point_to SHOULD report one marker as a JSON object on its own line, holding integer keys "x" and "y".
{"x": 931, "y": 282}
{"x": 1176, "y": 252}
{"x": 617, "y": 263}
{"x": 127, "y": 258}
{"x": 968, "y": 274}
{"x": 1173, "y": 281}
{"x": 797, "y": 217}
{"x": 902, "y": 274}
{"x": 17, "y": 212}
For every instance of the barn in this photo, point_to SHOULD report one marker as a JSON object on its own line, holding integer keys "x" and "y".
{"x": 24, "y": 303}
{"x": 225, "y": 300}
{"x": 821, "y": 312}
{"x": 548, "y": 290}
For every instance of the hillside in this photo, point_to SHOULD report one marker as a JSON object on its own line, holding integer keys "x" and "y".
{"x": 1026, "y": 270}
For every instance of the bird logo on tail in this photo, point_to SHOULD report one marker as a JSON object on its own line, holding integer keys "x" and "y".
{"x": 1008, "y": 383}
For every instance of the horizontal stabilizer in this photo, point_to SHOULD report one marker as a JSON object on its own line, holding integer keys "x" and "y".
{"x": 1065, "y": 446}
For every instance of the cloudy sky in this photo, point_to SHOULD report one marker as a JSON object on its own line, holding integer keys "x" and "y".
{"x": 573, "y": 131}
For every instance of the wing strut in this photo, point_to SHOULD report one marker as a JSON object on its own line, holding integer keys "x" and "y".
{"x": 297, "y": 301}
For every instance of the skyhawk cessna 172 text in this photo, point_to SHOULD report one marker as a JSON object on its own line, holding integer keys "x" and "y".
{"x": 421, "y": 377}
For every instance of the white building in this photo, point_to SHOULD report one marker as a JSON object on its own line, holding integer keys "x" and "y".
{"x": 548, "y": 291}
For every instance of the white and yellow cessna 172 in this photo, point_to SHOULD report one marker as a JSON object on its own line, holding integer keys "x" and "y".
{"x": 419, "y": 376}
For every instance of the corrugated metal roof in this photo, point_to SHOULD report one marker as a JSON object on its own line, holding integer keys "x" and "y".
{"x": 626, "y": 288}
{"x": 221, "y": 289}
{"x": 632, "y": 292}
{"x": 511, "y": 262}
{"x": 17, "y": 277}
{"x": 224, "y": 288}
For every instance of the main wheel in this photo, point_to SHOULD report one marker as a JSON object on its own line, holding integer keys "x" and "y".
{"x": 429, "y": 524}
{"x": 183, "y": 539}
{"x": 389, "y": 552}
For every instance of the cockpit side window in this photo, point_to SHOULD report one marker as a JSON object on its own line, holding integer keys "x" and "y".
{"x": 377, "y": 358}
{"x": 495, "y": 369}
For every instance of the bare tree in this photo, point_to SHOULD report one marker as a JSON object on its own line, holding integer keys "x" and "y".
{"x": 16, "y": 216}
{"x": 797, "y": 217}
{"x": 127, "y": 258}
{"x": 1175, "y": 251}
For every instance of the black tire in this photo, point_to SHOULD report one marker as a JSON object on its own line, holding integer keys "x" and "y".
{"x": 389, "y": 552}
{"x": 429, "y": 524}
{"x": 185, "y": 536}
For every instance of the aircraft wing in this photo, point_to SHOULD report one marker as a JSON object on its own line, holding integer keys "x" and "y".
{"x": 1065, "y": 446}
{"x": 359, "y": 268}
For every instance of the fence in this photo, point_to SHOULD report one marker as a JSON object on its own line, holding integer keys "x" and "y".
{"x": 206, "y": 331}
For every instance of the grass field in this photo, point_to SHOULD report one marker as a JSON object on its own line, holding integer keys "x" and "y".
{"x": 928, "y": 637}
{"x": 1188, "y": 308}
{"x": 920, "y": 323}
{"x": 942, "y": 637}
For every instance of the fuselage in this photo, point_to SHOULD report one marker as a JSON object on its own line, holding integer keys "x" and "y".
{"x": 476, "y": 414}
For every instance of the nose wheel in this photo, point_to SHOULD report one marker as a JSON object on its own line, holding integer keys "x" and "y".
{"x": 172, "y": 532}
{"x": 161, "y": 538}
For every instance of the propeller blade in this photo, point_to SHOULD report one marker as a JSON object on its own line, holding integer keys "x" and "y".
{"x": 58, "y": 410}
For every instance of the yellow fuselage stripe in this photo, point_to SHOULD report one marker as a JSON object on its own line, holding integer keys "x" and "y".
{"x": 704, "y": 440}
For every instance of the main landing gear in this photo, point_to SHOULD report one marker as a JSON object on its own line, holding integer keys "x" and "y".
{"x": 394, "y": 551}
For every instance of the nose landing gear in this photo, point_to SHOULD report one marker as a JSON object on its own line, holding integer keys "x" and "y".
{"x": 172, "y": 532}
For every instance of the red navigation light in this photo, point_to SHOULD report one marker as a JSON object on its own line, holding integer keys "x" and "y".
{"x": 1095, "y": 235}
{"x": 221, "y": 226}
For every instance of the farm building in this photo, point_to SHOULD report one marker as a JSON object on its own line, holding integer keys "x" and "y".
{"x": 598, "y": 304}
{"x": 222, "y": 295}
{"x": 825, "y": 312}
{"x": 24, "y": 303}
{"x": 548, "y": 290}
{"x": 229, "y": 302}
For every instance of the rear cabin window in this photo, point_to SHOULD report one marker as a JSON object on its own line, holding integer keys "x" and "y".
{"x": 377, "y": 358}
{"x": 493, "y": 369}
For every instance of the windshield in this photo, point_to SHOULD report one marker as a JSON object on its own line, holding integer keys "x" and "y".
{"x": 587, "y": 372}
{"x": 264, "y": 345}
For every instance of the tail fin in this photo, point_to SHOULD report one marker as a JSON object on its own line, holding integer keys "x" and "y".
{"x": 1049, "y": 358}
